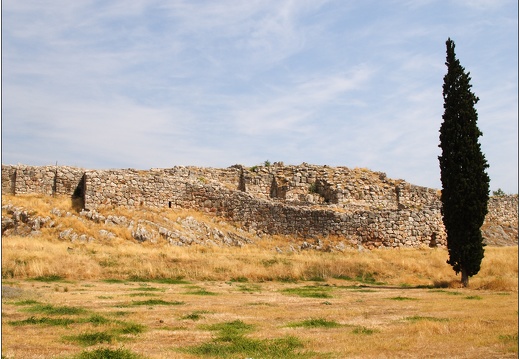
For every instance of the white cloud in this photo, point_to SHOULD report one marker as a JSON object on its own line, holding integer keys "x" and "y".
{"x": 152, "y": 83}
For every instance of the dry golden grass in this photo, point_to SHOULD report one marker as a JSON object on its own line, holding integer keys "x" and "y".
{"x": 387, "y": 303}
{"x": 24, "y": 257}
{"x": 375, "y": 322}
{"x": 122, "y": 257}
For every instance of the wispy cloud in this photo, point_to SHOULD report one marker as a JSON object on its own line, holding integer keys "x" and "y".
{"x": 153, "y": 83}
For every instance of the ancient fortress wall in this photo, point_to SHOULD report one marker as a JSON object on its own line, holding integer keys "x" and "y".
{"x": 362, "y": 206}
{"x": 41, "y": 179}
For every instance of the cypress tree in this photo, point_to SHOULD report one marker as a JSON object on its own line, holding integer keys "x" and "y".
{"x": 465, "y": 183}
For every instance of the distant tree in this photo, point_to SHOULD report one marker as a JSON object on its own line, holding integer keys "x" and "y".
{"x": 499, "y": 192}
{"x": 465, "y": 183}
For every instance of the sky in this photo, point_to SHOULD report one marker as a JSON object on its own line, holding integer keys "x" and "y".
{"x": 146, "y": 84}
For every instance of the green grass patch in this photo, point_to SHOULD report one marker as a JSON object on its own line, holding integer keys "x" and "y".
{"x": 363, "y": 330}
{"x": 402, "y": 298}
{"x": 121, "y": 313}
{"x": 89, "y": 339}
{"x": 109, "y": 336}
{"x": 249, "y": 288}
{"x": 450, "y": 292}
{"x": 309, "y": 291}
{"x": 509, "y": 338}
{"x": 96, "y": 319}
{"x": 27, "y": 302}
{"x": 43, "y": 321}
{"x": 357, "y": 288}
{"x": 130, "y": 328}
{"x": 55, "y": 310}
{"x": 511, "y": 341}
{"x": 142, "y": 294}
{"x": 48, "y": 278}
{"x": 315, "y": 323}
{"x": 196, "y": 315}
{"x": 362, "y": 277}
{"x": 418, "y": 318}
{"x": 176, "y": 280}
{"x": 227, "y": 329}
{"x": 152, "y": 302}
{"x": 199, "y": 291}
{"x": 473, "y": 297}
{"x": 271, "y": 262}
{"x": 241, "y": 347}
{"x": 114, "y": 281}
{"x": 231, "y": 343}
{"x": 148, "y": 289}
{"x": 239, "y": 280}
{"x": 107, "y": 353}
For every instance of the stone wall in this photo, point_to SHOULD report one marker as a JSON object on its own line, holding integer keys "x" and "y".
{"x": 41, "y": 179}
{"x": 362, "y": 206}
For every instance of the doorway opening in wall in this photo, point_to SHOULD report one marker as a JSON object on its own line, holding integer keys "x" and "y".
{"x": 78, "y": 197}
{"x": 169, "y": 204}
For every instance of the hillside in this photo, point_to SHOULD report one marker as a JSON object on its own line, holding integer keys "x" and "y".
{"x": 57, "y": 217}
{"x": 319, "y": 207}
{"x": 49, "y": 236}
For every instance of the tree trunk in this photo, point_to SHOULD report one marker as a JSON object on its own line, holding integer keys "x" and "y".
{"x": 464, "y": 277}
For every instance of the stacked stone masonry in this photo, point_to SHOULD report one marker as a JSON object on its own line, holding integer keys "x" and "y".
{"x": 364, "y": 207}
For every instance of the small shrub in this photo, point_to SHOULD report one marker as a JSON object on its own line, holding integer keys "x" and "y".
{"x": 499, "y": 192}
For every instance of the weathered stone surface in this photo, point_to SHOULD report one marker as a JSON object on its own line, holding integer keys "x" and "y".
{"x": 308, "y": 201}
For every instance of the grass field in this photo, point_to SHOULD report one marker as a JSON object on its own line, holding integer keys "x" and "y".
{"x": 123, "y": 299}
{"x": 337, "y": 318}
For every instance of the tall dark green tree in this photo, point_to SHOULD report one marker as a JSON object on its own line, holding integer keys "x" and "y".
{"x": 465, "y": 183}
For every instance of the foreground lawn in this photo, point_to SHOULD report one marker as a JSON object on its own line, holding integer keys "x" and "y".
{"x": 334, "y": 318}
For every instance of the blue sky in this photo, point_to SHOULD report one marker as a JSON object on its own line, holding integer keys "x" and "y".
{"x": 160, "y": 83}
